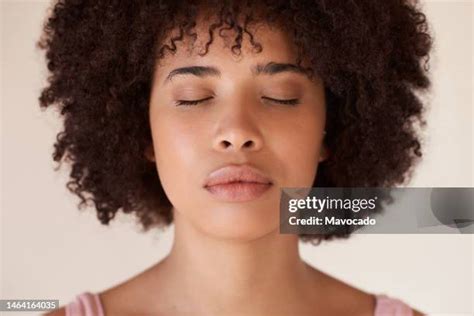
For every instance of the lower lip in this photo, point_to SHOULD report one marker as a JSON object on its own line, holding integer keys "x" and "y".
{"x": 238, "y": 191}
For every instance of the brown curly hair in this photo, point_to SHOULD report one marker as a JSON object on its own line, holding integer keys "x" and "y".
{"x": 371, "y": 55}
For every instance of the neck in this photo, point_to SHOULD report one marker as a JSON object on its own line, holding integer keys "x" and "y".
{"x": 229, "y": 274}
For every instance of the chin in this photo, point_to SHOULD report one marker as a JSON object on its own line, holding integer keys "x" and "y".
{"x": 238, "y": 222}
{"x": 240, "y": 233}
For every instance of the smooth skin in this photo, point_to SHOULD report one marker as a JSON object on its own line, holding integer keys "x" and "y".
{"x": 229, "y": 258}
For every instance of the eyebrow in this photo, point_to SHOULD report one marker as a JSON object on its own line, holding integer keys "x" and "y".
{"x": 270, "y": 68}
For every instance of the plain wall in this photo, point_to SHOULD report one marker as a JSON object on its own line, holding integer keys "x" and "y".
{"x": 49, "y": 249}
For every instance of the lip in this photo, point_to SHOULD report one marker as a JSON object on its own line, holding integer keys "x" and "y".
{"x": 237, "y": 183}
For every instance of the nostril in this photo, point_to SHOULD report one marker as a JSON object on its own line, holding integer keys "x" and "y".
{"x": 248, "y": 144}
{"x": 226, "y": 143}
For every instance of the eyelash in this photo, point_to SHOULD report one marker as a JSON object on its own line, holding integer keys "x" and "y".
{"x": 191, "y": 102}
{"x": 290, "y": 102}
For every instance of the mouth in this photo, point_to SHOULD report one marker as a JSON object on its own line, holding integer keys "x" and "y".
{"x": 237, "y": 183}
{"x": 238, "y": 191}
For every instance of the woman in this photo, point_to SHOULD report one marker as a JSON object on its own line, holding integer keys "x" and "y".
{"x": 197, "y": 112}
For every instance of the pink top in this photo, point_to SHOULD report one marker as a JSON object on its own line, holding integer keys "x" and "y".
{"x": 88, "y": 304}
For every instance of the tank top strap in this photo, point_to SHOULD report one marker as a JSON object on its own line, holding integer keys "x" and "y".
{"x": 390, "y": 306}
{"x": 85, "y": 304}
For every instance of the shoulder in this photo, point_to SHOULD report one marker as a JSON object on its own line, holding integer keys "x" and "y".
{"x": 57, "y": 312}
{"x": 342, "y": 297}
{"x": 133, "y": 295}
{"x": 355, "y": 301}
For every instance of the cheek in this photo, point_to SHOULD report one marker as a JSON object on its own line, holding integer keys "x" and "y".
{"x": 176, "y": 156}
{"x": 297, "y": 146}
{"x": 175, "y": 143}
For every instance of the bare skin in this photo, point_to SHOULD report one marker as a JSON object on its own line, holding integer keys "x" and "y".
{"x": 313, "y": 293}
{"x": 229, "y": 258}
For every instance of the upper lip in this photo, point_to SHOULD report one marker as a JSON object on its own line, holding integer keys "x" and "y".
{"x": 236, "y": 173}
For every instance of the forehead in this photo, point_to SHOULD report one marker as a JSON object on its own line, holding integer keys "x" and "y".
{"x": 276, "y": 46}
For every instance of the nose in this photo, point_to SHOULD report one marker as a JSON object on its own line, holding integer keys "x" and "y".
{"x": 238, "y": 130}
{"x": 237, "y": 142}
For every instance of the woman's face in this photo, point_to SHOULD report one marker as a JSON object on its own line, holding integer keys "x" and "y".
{"x": 237, "y": 122}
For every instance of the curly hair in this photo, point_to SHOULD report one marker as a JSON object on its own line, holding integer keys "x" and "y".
{"x": 371, "y": 55}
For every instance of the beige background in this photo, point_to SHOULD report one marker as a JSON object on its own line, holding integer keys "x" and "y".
{"x": 51, "y": 250}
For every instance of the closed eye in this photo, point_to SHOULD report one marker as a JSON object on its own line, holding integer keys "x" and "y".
{"x": 287, "y": 101}
{"x": 191, "y": 102}
{"x": 195, "y": 102}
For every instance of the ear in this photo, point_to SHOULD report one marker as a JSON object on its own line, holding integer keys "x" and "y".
{"x": 323, "y": 153}
{"x": 150, "y": 153}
